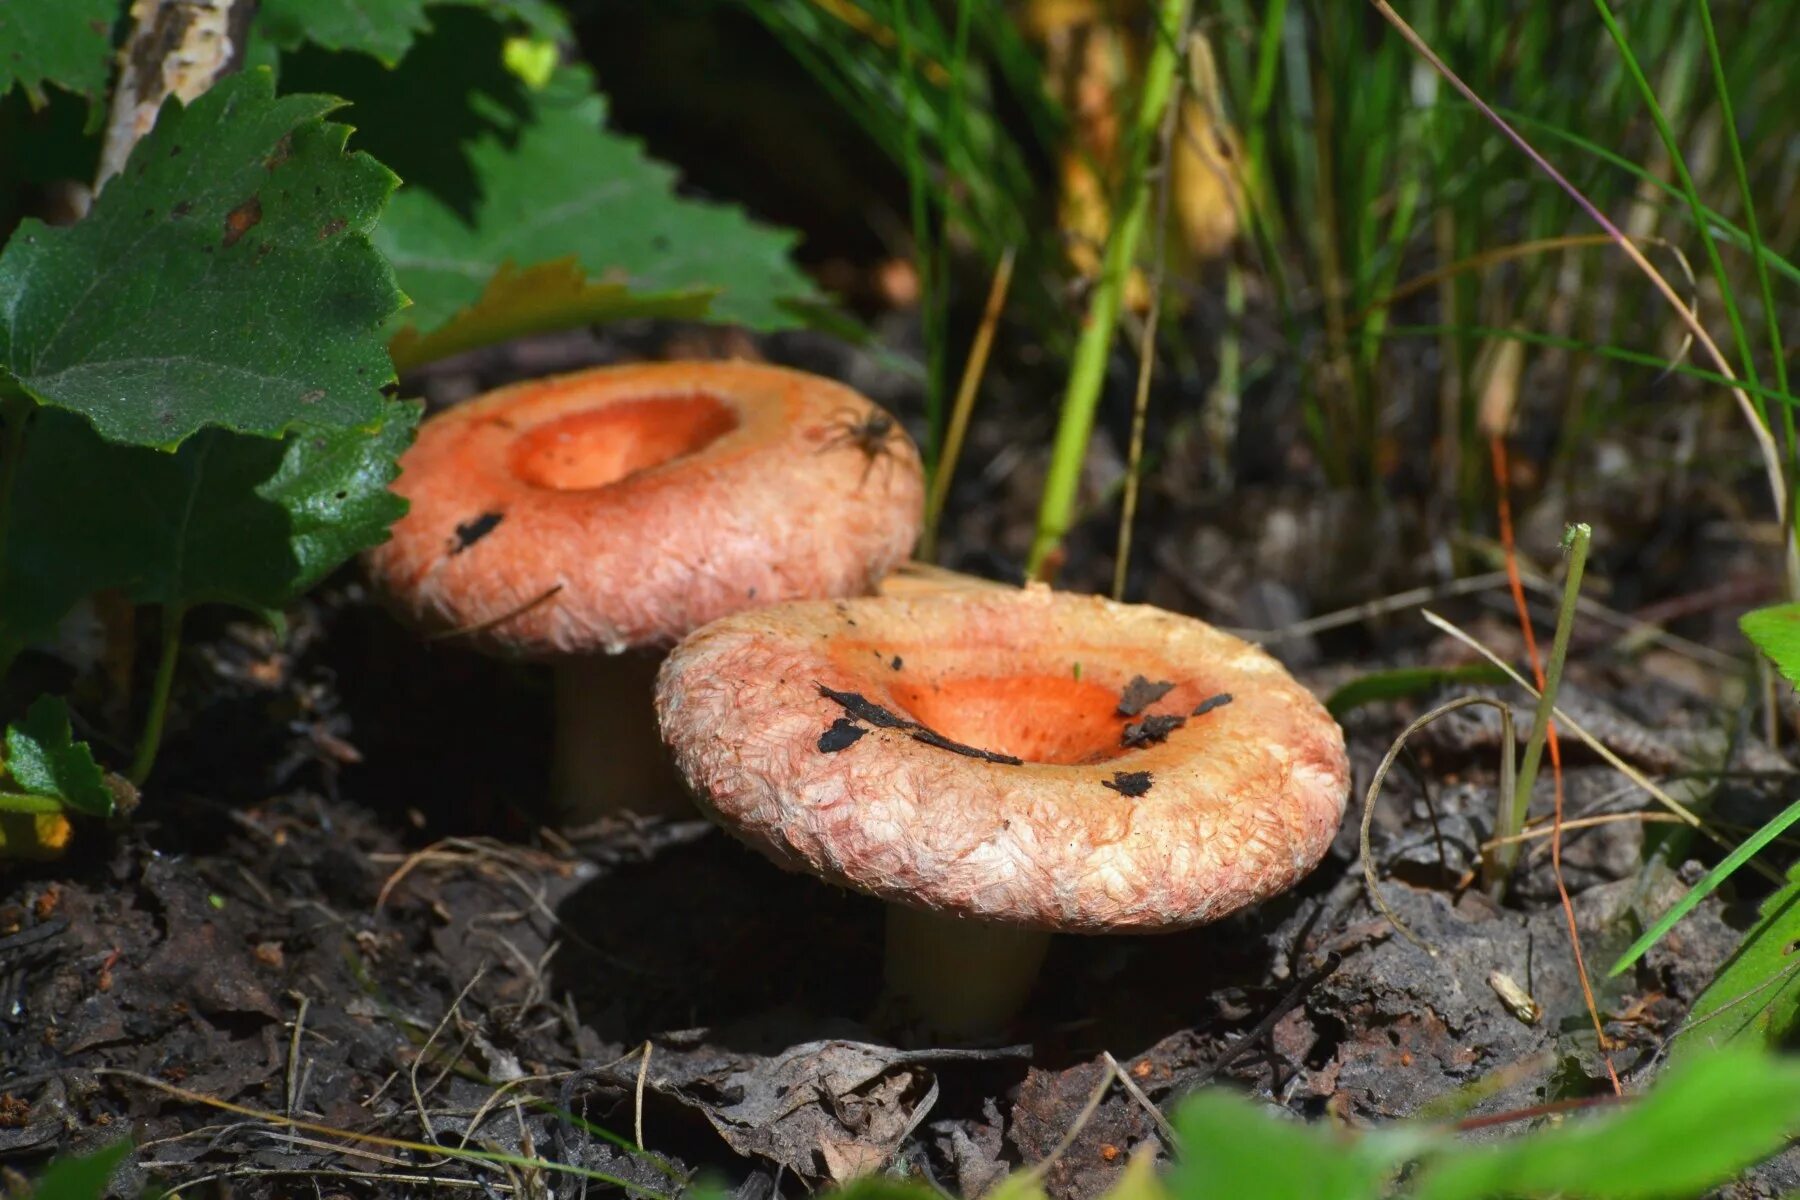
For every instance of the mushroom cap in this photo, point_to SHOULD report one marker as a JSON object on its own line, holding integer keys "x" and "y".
{"x": 625, "y": 506}
{"x": 816, "y": 732}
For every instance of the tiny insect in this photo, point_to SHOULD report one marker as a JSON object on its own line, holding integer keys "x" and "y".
{"x": 871, "y": 432}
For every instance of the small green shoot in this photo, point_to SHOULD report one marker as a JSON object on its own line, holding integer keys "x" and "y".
{"x": 45, "y": 763}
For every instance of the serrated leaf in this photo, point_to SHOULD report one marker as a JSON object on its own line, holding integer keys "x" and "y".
{"x": 1704, "y": 1121}
{"x": 227, "y": 518}
{"x": 44, "y": 759}
{"x": 551, "y": 295}
{"x": 1776, "y": 632}
{"x": 381, "y": 28}
{"x": 1755, "y": 996}
{"x": 453, "y": 81}
{"x": 541, "y": 17}
{"x": 64, "y": 42}
{"x": 384, "y": 29}
{"x": 224, "y": 278}
{"x": 556, "y": 184}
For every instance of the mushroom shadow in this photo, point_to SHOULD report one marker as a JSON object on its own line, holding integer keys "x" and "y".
{"x": 459, "y": 738}
{"x": 708, "y": 934}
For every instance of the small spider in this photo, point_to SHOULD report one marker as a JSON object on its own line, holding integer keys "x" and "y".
{"x": 871, "y": 432}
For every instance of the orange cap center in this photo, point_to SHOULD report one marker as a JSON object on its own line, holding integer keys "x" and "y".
{"x": 1038, "y": 718}
{"x": 593, "y": 449}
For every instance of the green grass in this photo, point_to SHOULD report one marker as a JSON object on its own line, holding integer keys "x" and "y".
{"x": 1367, "y": 169}
{"x": 1364, "y": 169}
{"x": 926, "y": 83}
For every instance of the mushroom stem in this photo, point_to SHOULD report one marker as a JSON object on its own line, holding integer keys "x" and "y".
{"x": 958, "y": 976}
{"x": 608, "y": 756}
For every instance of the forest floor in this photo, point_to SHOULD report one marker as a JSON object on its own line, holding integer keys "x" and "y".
{"x": 335, "y": 906}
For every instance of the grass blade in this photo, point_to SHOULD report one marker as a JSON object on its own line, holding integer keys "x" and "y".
{"x": 1708, "y": 885}
{"x": 1088, "y": 371}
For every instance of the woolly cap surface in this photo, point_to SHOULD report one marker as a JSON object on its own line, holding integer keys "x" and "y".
{"x": 625, "y": 506}
{"x": 1009, "y": 755}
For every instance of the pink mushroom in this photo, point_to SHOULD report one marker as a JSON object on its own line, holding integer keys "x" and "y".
{"x": 1000, "y": 764}
{"x": 590, "y": 520}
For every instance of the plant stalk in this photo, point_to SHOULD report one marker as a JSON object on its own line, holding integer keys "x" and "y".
{"x": 27, "y": 804}
{"x": 1087, "y": 373}
{"x": 150, "y": 740}
{"x": 1575, "y": 540}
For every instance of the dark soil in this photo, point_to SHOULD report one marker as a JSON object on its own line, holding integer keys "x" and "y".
{"x": 336, "y": 905}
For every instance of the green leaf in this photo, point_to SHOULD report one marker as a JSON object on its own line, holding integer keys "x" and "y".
{"x": 224, "y": 278}
{"x": 1022, "y": 1185}
{"x": 81, "y": 1178}
{"x": 1402, "y": 682}
{"x": 44, "y": 759}
{"x": 1704, "y": 1121}
{"x": 227, "y": 518}
{"x": 1231, "y": 1147}
{"x": 1755, "y": 996}
{"x": 1776, "y": 632}
{"x": 64, "y": 42}
{"x": 1140, "y": 1180}
{"x": 885, "y": 1187}
{"x": 551, "y": 295}
{"x": 555, "y": 184}
{"x": 384, "y": 29}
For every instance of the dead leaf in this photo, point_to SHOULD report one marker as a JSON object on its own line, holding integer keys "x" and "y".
{"x": 827, "y": 1110}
